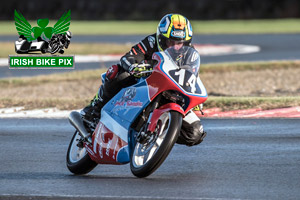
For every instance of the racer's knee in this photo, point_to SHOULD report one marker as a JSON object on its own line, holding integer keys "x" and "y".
{"x": 116, "y": 78}
{"x": 111, "y": 72}
{"x": 191, "y": 134}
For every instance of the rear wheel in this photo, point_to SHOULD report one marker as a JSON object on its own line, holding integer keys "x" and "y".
{"x": 78, "y": 160}
{"x": 44, "y": 47}
{"x": 149, "y": 154}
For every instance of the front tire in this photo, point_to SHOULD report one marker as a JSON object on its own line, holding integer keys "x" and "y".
{"x": 78, "y": 160}
{"x": 147, "y": 157}
{"x": 54, "y": 48}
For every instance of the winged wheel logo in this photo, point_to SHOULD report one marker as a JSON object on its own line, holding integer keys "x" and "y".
{"x": 49, "y": 39}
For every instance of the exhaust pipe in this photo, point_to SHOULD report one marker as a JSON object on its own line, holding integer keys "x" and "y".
{"x": 76, "y": 120}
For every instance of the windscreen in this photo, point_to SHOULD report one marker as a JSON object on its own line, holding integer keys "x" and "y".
{"x": 185, "y": 58}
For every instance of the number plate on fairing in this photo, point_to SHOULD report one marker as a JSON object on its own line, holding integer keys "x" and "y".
{"x": 186, "y": 80}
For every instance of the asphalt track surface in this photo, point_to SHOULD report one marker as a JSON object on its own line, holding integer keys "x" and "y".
{"x": 239, "y": 159}
{"x": 273, "y": 47}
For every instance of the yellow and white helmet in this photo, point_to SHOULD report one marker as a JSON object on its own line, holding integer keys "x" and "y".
{"x": 173, "y": 28}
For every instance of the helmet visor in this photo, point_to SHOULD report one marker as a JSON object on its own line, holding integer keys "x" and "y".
{"x": 173, "y": 43}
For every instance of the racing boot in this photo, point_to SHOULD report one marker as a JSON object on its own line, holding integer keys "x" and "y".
{"x": 93, "y": 110}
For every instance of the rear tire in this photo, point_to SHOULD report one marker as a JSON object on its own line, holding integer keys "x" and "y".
{"x": 146, "y": 158}
{"x": 78, "y": 160}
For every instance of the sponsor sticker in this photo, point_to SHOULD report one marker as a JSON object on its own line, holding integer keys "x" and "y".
{"x": 127, "y": 97}
{"x": 180, "y": 34}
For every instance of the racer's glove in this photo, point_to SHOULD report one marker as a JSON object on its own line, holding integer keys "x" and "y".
{"x": 139, "y": 70}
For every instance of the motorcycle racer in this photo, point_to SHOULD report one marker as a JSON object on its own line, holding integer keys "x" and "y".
{"x": 174, "y": 30}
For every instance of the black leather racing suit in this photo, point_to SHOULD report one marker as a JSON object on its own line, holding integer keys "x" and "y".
{"x": 191, "y": 132}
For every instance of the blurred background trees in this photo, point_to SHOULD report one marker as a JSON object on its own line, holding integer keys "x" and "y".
{"x": 152, "y": 10}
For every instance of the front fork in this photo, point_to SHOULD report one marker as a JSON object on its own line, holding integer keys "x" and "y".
{"x": 144, "y": 135}
{"x": 201, "y": 108}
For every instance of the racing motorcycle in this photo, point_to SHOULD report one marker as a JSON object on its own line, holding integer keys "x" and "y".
{"x": 59, "y": 42}
{"x": 141, "y": 123}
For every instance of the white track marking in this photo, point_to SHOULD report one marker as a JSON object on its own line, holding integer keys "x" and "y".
{"x": 19, "y": 112}
{"x": 204, "y": 50}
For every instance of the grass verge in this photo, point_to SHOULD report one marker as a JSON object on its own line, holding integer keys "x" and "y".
{"x": 53, "y": 78}
{"x": 29, "y": 104}
{"x": 8, "y": 48}
{"x": 244, "y": 66}
{"x": 95, "y": 74}
{"x": 225, "y": 103}
{"x": 236, "y": 103}
{"x": 73, "y": 90}
{"x": 148, "y": 27}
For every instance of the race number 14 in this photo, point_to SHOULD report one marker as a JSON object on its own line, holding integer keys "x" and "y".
{"x": 191, "y": 80}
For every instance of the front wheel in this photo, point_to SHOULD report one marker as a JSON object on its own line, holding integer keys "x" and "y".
{"x": 149, "y": 155}
{"x": 78, "y": 160}
{"x": 54, "y": 47}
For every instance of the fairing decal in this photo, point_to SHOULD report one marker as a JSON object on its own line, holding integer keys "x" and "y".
{"x": 108, "y": 148}
{"x": 114, "y": 126}
{"x": 127, "y": 104}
